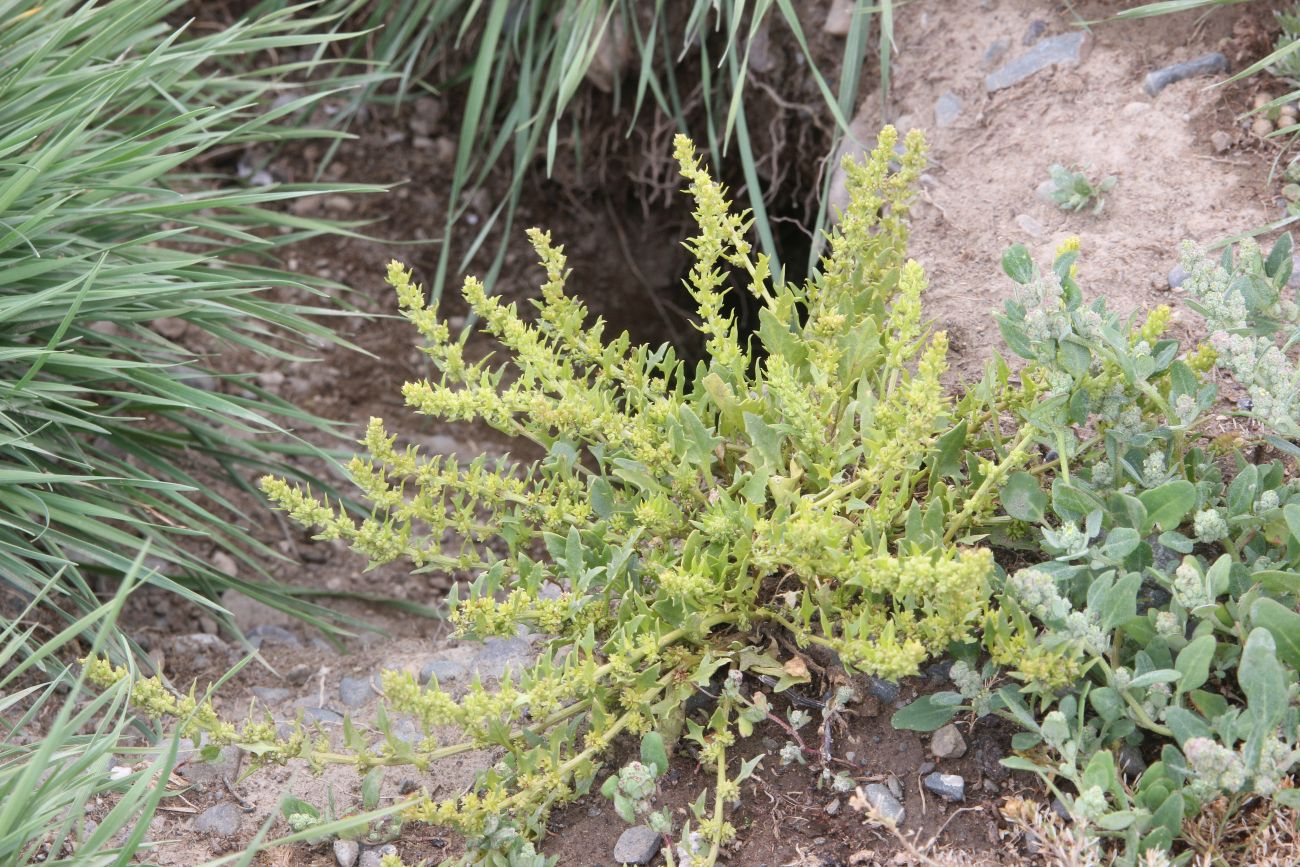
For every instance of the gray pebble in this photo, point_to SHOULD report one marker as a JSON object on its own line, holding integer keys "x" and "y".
{"x": 271, "y": 694}
{"x": 1065, "y": 49}
{"x": 950, "y": 787}
{"x": 202, "y": 773}
{"x": 947, "y": 743}
{"x": 1206, "y": 64}
{"x": 884, "y": 690}
{"x": 1131, "y": 763}
{"x": 1177, "y": 276}
{"x": 355, "y": 691}
{"x": 346, "y": 852}
{"x": 995, "y": 51}
{"x": 1045, "y": 191}
{"x": 321, "y": 715}
{"x": 1030, "y": 226}
{"x": 370, "y": 857}
{"x": 1034, "y": 32}
{"x": 222, "y": 820}
{"x": 947, "y": 108}
{"x": 894, "y": 786}
{"x": 884, "y": 803}
{"x": 926, "y": 767}
{"x": 833, "y": 808}
{"x": 270, "y": 633}
{"x": 445, "y": 670}
{"x": 637, "y": 845}
{"x": 500, "y": 655}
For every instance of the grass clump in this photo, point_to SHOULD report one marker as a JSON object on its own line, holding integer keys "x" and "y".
{"x": 115, "y": 223}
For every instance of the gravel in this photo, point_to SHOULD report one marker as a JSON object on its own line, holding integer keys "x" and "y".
{"x": 1177, "y": 276}
{"x": 884, "y": 803}
{"x": 222, "y": 820}
{"x": 1063, "y": 50}
{"x": 637, "y": 845}
{"x": 882, "y": 689}
{"x": 370, "y": 857}
{"x": 947, "y": 108}
{"x": 947, "y": 743}
{"x": 271, "y": 694}
{"x": 355, "y": 691}
{"x": 1030, "y": 226}
{"x": 346, "y": 852}
{"x": 445, "y": 670}
{"x": 950, "y": 787}
{"x": 500, "y": 655}
{"x": 1206, "y": 64}
{"x": 270, "y": 633}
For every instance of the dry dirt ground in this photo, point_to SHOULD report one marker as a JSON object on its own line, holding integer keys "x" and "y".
{"x": 978, "y": 197}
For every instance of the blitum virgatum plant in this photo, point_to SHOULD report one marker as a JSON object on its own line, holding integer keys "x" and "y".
{"x": 815, "y": 479}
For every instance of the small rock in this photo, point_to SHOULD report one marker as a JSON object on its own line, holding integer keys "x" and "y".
{"x": 1045, "y": 191}
{"x": 947, "y": 108}
{"x": 321, "y": 715}
{"x": 225, "y": 564}
{"x": 199, "y": 649}
{"x": 1034, "y": 32}
{"x": 299, "y": 674}
{"x": 833, "y": 808}
{"x": 222, "y": 820}
{"x": 884, "y": 803}
{"x": 1063, "y": 50}
{"x": 346, "y": 852}
{"x": 261, "y": 179}
{"x": 926, "y": 767}
{"x": 1130, "y": 761}
{"x": 1030, "y": 226}
{"x": 340, "y": 204}
{"x": 425, "y": 115}
{"x": 894, "y": 786}
{"x": 884, "y": 690}
{"x": 373, "y": 856}
{"x": 950, "y": 787}
{"x": 1135, "y": 108}
{"x": 271, "y": 694}
{"x": 171, "y": 327}
{"x": 947, "y": 743}
{"x": 355, "y": 691}
{"x": 270, "y": 633}
{"x": 637, "y": 845}
{"x": 445, "y": 670}
{"x": 839, "y": 17}
{"x": 1206, "y": 64}
{"x": 995, "y": 51}
{"x": 201, "y": 773}
{"x": 1221, "y": 141}
{"x": 1177, "y": 276}
{"x": 500, "y": 655}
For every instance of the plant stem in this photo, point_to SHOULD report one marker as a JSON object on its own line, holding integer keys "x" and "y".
{"x": 996, "y": 474}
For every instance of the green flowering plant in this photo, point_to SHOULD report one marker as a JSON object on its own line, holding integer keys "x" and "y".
{"x": 815, "y": 479}
{"x": 1161, "y": 623}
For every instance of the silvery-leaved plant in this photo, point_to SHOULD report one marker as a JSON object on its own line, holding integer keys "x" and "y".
{"x": 1151, "y": 654}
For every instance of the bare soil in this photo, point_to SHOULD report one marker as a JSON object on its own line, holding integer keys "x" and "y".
{"x": 623, "y": 238}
